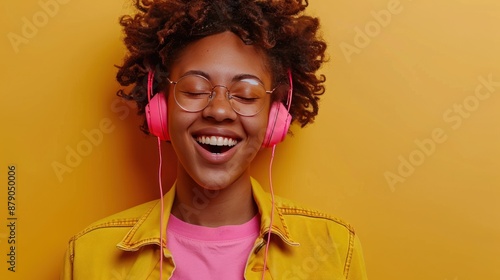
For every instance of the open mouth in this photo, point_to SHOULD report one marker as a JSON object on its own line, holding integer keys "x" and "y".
{"x": 216, "y": 144}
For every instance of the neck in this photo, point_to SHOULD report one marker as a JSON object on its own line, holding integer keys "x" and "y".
{"x": 229, "y": 205}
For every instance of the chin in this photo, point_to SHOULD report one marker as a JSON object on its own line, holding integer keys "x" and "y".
{"x": 215, "y": 184}
{"x": 218, "y": 180}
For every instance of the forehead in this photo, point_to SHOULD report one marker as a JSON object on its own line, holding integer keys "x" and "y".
{"x": 222, "y": 56}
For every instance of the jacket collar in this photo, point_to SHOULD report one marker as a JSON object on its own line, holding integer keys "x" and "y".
{"x": 265, "y": 205}
{"x": 147, "y": 232}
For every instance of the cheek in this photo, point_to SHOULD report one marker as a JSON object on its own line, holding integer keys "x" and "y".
{"x": 257, "y": 126}
{"x": 178, "y": 120}
{"x": 171, "y": 116}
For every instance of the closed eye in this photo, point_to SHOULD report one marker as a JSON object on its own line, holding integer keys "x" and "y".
{"x": 195, "y": 95}
{"x": 243, "y": 99}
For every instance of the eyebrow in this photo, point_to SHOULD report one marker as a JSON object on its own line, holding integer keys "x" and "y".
{"x": 238, "y": 77}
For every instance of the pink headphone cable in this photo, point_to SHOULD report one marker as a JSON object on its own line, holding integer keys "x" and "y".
{"x": 161, "y": 203}
{"x": 272, "y": 211}
{"x": 151, "y": 75}
{"x": 289, "y": 103}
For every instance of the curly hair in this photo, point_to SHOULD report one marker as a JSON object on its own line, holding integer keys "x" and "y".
{"x": 160, "y": 30}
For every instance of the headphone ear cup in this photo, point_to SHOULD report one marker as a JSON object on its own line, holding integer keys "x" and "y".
{"x": 277, "y": 126}
{"x": 156, "y": 116}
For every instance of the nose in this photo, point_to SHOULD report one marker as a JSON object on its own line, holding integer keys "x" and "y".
{"x": 219, "y": 107}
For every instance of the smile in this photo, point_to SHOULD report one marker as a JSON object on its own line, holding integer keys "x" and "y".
{"x": 216, "y": 144}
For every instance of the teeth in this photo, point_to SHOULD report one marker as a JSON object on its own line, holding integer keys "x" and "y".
{"x": 216, "y": 141}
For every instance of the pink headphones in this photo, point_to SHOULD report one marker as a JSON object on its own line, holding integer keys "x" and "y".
{"x": 277, "y": 126}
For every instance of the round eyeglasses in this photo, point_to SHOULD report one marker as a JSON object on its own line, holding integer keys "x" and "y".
{"x": 194, "y": 92}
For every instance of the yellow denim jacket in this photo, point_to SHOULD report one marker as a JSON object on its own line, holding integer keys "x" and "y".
{"x": 305, "y": 244}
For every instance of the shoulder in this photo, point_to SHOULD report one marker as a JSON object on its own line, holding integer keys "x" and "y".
{"x": 122, "y": 220}
{"x": 298, "y": 213}
{"x": 326, "y": 239}
{"x": 313, "y": 227}
{"x": 97, "y": 245}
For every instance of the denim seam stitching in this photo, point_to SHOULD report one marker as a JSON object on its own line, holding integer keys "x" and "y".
{"x": 112, "y": 223}
{"x": 349, "y": 255}
{"x": 315, "y": 214}
{"x": 134, "y": 229}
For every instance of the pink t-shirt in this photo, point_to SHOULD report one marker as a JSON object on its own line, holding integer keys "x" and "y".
{"x": 210, "y": 253}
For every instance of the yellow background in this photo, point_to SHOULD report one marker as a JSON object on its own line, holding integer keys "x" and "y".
{"x": 396, "y": 87}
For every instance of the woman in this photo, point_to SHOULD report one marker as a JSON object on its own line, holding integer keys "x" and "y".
{"x": 219, "y": 80}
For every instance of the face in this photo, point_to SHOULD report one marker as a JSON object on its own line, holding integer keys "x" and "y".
{"x": 221, "y": 58}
